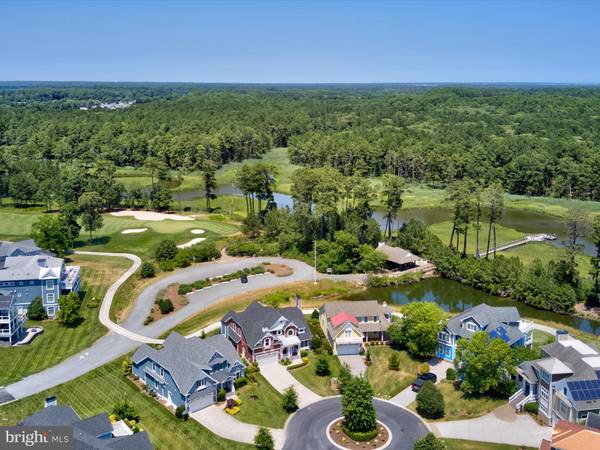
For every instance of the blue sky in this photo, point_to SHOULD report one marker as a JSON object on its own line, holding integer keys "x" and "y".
{"x": 301, "y": 42}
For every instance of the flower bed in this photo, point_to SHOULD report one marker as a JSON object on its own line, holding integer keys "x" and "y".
{"x": 377, "y": 439}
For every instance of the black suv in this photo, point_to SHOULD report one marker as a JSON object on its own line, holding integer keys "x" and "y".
{"x": 421, "y": 379}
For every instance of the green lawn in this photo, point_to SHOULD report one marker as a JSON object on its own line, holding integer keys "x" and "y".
{"x": 459, "y": 444}
{"x": 546, "y": 253}
{"x": 387, "y": 383}
{"x": 459, "y": 406}
{"x": 320, "y": 385}
{"x": 58, "y": 342}
{"x": 261, "y": 405}
{"x": 541, "y": 338}
{"x": 98, "y": 391}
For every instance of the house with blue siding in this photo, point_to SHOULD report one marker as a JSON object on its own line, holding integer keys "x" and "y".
{"x": 28, "y": 272}
{"x": 188, "y": 372}
{"x": 499, "y": 322}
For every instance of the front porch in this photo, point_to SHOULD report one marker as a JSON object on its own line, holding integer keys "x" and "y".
{"x": 290, "y": 347}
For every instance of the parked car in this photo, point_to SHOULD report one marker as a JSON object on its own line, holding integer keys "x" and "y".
{"x": 422, "y": 379}
{"x": 244, "y": 279}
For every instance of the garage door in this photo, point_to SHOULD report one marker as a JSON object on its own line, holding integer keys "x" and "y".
{"x": 348, "y": 349}
{"x": 266, "y": 358}
{"x": 201, "y": 400}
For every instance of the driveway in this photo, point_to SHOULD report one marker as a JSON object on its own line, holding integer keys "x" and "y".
{"x": 307, "y": 428}
{"x": 407, "y": 396}
{"x": 502, "y": 425}
{"x": 355, "y": 362}
{"x": 226, "y": 426}
{"x": 280, "y": 378}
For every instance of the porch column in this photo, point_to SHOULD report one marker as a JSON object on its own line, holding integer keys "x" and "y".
{"x": 381, "y": 334}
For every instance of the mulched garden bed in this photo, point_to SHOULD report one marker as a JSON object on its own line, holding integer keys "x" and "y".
{"x": 338, "y": 436}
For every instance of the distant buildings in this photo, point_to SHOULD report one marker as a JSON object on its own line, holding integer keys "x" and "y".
{"x": 262, "y": 333}
{"x": 110, "y": 105}
{"x": 501, "y": 322}
{"x": 348, "y": 324}
{"x": 188, "y": 372}
{"x": 27, "y": 272}
{"x": 572, "y": 436}
{"x": 565, "y": 382}
{"x": 398, "y": 259}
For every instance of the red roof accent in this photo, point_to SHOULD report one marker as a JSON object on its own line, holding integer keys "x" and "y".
{"x": 343, "y": 317}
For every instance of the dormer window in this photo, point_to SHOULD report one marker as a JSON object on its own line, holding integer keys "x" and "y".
{"x": 267, "y": 342}
{"x": 471, "y": 326}
{"x": 301, "y": 330}
{"x": 290, "y": 332}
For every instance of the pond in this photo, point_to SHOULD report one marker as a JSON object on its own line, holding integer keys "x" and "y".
{"x": 455, "y": 297}
{"x": 527, "y": 222}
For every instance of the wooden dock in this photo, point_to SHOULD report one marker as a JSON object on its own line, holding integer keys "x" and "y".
{"x": 517, "y": 243}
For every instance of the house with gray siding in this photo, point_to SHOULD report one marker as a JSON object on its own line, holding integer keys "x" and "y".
{"x": 28, "y": 272}
{"x": 188, "y": 372}
{"x": 11, "y": 321}
{"x": 565, "y": 382}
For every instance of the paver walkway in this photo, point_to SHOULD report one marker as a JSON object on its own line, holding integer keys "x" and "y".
{"x": 502, "y": 425}
{"x": 407, "y": 396}
{"x": 280, "y": 378}
{"x": 355, "y": 362}
{"x": 222, "y": 424}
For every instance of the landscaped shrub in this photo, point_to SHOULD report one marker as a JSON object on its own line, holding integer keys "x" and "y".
{"x": 303, "y": 353}
{"x": 368, "y": 358}
{"x": 36, "y": 310}
{"x": 201, "y": 284}
{"x": 165, "y": 250}
{"x": 240, "y": 382}
{"x": 147, "y": 270}
{"x": 183, "y": 258}
{"x": 315, "y": 314}
{"x": 357, "y": 408}
{"x": 450, "y": 374}
{"x": 394, "y": 361}
{"x": 126, "y": 365}
{"x": 322, "y": 367}
{"x": 184, "y": 289}
{"x": 423, "y": 368}
{"x": 360, "y": 436}
{"x": 429, "y": 442}
{"x": 165, "y": 305}
{"x": 298, "y": 365}
{"x": 430, "y": 401}
{"x": 264, "y": 440}
{"x": 205, "y": 251}
{"x": 221, "y": 395}
{"x": 148, "y": 320}
{"x": 531, "y": 408}
{"x": 125, "y": 410}
{"x": 167, "y": 265}
{"x": 289, "y": 400}
{"x": 180, "y": 411}
{"x": 344, "y": 377}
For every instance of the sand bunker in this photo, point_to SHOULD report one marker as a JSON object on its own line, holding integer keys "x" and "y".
{"x": 133, "y": 230}
{"x": 192, "y": 242}
{"x": 197, "y": 231}
{"x": 150, "y": 215}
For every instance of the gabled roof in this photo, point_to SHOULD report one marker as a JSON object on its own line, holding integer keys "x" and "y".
{"x": 342, "y": 317}
{"x": 52, "y": 416}
{"x": 572, "y": 436}
{"x": 397, "y": 255}
{"x": 257, "y": 319}
{"x": 485, "y": 315}
{"x": 27, "y": 247}
{"x": 33, "y": 267}
{"x": 553, "y": 366}
{"x": 188, "y": 360}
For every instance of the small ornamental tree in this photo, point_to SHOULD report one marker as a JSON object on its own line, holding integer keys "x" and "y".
{"x": 221, "y": 394}
{"x": 165, "y": 250}
{"x": 126, "y": 365}
{"x": 69, "y": 313}
{"x": 357, "y": 406}
{"x": 344, "y": 377}
{"x": 125, "y": 410}
{"x": 429, "y": 442}
{"x": 148, "y": 270}
{"x": 430, "y": 401}
{"x": 36, "y": 310}
{"x": 165, "y": 305}
{"x": 322, "y": 367}
{"x": 315, "y": 314}
{"x": 394, "y": 361}
{"x": 264, "y": 440}
{"x": 289, "y": 400}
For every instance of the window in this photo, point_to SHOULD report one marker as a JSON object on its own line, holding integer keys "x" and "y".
{"x": 50, "y": 298}
{"x": 545, "y": 376}
{"x": 347, "y": 334}
{"x": 49, "y": 284}
{"x": 444, "y": 337}
{"x": 267, "y": 342}
{"x": 301, "y": 330}
{"x": 471, "y": 326}
{"x": 447, "y": 351}
{"x": 563, "y": 410}
{"x": 290, "y": 332}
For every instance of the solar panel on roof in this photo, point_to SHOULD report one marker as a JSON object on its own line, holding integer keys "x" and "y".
{"x": 576, "y": 396}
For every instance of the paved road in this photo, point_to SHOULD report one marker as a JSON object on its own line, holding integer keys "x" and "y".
{"x": 281, "y": 379}
{"x": 114, "y": 344}
{"x": 501, "y": 426}
{"x": 307, "y": 428}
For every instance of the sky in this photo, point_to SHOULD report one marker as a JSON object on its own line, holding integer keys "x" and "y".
{"x": 301, "y": 42}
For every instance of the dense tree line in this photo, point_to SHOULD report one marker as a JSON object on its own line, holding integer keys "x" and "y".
{"x": 532, "y": 141}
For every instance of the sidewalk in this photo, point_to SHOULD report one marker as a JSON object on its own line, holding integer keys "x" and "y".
{"x": 280, "y": 378}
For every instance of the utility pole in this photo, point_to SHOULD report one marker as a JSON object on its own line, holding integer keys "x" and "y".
{"x": 315, "y": 280}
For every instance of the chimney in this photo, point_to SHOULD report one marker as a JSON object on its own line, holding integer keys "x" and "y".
{"x": 50, "y": 401}
{"x": 562, "y": 335}
{"x": 299, "y": 302}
